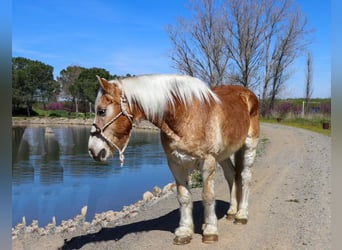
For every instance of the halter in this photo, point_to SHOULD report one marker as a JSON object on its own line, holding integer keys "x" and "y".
{"x": 100, "y": 131}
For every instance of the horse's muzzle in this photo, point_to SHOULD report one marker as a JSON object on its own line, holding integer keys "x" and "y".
{"x": 101, "y": 156}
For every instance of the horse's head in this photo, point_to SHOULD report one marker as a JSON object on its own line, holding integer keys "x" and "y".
{"x": 112, "y": 126}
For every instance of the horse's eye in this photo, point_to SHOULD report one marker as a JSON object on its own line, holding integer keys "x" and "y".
{"x": 101, "y": 112}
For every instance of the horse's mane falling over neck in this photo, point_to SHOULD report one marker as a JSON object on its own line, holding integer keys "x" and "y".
{"x": 154, "y": 92}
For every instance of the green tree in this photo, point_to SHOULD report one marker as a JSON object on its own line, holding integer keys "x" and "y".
{"x": 32, "y": 81}
{"x": 85, "y": 87}
{"x": 68, "y": 77}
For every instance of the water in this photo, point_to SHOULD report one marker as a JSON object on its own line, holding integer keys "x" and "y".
{"x": 53, "y": 175}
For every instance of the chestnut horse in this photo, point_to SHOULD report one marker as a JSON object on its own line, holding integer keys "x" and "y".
{"x": 200, "y": 128}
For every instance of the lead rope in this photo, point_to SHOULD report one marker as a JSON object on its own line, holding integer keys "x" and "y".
{"x": 121, "y": 151}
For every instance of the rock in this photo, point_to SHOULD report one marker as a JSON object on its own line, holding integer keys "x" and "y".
{"x": 84, "y": 211}
{"x": 33, "y": 228}
{"x": 110, "y": 216}
{"x": 20, "y": 228}
{"x": 51, "y": 227}
{"x": 131, "y": 214}
{"x": 169, "y": 188}
{"x": 157, "y": 191}
{"x": 147, "y": 196}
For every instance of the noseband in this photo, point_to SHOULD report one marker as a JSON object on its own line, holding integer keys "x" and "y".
{"x": 100, "y": 131}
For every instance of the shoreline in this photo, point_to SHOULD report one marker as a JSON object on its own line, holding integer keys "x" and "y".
{"x": 62, "y": 121}
{"x": 78, "y": 224}
{"x": 28, "y": 121}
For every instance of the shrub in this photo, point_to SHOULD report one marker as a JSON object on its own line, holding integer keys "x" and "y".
{"x": 325, "y": 108}
{"x": 54, "y": 115}
{"x": 284, "y": 108}
{"x": 57, "y": 106}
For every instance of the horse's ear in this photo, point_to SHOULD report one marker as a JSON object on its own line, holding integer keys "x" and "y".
{"x": 107, "y": 86}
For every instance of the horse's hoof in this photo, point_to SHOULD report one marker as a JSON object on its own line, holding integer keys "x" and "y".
{"x": 210, "y": 238}
{"x": 178, "y": 240}
{"x": 240, "y": 221}
{"x": 230, "y": 217}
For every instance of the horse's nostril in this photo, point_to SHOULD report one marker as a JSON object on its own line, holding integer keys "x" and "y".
{"x": 99, "y": 157}
{"x": 102, "y": 154}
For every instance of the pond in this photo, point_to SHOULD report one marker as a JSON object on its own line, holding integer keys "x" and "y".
{"x": 53, "y": 175}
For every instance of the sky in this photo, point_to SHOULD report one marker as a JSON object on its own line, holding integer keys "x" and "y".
{"x": 129, "y": 36}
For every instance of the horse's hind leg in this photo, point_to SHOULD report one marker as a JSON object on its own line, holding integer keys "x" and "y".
{"x": 244, "y": 159}
{"x": 186, "y": 228}
{"x": 229, "y": 174}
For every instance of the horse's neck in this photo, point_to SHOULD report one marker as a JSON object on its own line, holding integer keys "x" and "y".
{"x": 139, "y": 114}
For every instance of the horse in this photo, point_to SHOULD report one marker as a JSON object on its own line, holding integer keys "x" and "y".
{"x": 200, "y": 128}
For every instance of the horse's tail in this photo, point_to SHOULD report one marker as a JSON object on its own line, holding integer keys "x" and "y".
{"x": 252, "y": 102}
{"x": 254, "y": 111}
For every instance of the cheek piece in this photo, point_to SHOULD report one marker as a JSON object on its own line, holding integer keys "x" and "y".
{"x": 97, "y": 131}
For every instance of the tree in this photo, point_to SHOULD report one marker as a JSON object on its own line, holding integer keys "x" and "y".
{"x": 199, "y": 48}
{"x": 67, "y": 77}
{"x": 31, "y": 81}
{"x": 308, "y": 83}
{"x": 48, "y": 91}
{"x": 85, "y": 87}
{"x": 244, "y": 41}
{"x": 289, "y": 42}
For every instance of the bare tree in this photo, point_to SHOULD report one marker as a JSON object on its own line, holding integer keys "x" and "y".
{"x": 199, "y": 47}
{"x": 244, "y": 20}
{"x": 274, "y": 15}
{"x": 243, "y": 41}
{"x": 308, "y": 83}
{"x": 289, "y": 43}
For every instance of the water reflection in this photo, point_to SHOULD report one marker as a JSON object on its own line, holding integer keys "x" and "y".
{"x": 53, "y": 174}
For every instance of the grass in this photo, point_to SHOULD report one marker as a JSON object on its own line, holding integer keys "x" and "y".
{"x": 196, "y": 179}
{"x": 62, "y": 113}
{"x": 262, "y": 146}
{"x": 309, "y": 124}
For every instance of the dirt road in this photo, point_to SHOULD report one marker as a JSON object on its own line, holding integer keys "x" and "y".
{"x": 290, "y": 205}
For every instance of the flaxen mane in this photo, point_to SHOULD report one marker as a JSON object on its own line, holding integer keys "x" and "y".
{"x": 154, "y": 92}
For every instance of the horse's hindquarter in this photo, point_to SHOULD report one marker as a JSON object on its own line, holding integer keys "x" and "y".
{"x": 240, "y": 107}
{"x": 234, "y": 116}
{"x": 201, "y": 129}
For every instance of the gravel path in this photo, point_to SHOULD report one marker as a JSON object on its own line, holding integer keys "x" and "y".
{"x": 290, "y": 206}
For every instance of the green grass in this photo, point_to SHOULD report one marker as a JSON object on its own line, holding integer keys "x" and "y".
{"x": 309, "y": 124}
{"x": 61, "y": 113}
{"x": 263, "y": 142}
{"x": 196, "y": 179}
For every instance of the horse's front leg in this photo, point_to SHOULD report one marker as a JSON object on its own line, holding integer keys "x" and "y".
{"x": 210, "y": 231}
{"x": 186, "y": 227}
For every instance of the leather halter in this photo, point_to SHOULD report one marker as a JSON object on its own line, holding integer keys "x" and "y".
{"x": 100, "y": 131}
